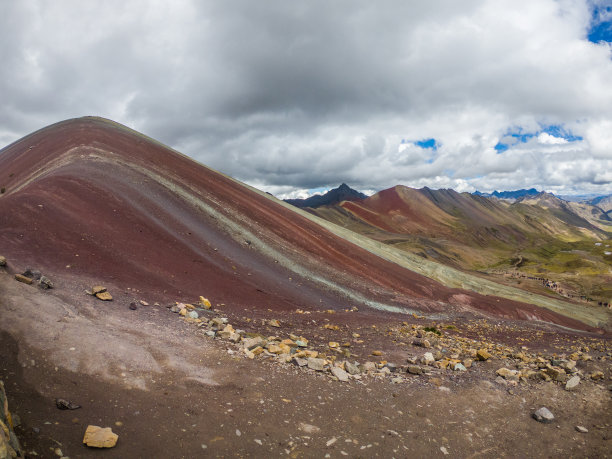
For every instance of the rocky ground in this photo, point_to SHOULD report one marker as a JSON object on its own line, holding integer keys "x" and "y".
{"x": 184, "y": 379}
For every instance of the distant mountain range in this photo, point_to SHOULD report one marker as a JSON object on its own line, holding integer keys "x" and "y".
{"x": 508, "y": 194}
{"x": 335, "y": 196}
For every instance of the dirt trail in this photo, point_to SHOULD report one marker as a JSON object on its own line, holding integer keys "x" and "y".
{"x": 178, "y": 393}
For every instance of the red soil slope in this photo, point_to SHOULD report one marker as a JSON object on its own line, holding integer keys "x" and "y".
{"x": 89, "y": 201}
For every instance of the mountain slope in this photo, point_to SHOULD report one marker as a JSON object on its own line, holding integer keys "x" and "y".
{"x": 471, "y": 232}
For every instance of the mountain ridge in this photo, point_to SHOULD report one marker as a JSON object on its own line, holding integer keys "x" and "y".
{"x": 333, "y": 196}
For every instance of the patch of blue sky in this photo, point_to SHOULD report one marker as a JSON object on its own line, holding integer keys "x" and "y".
{"x": 521, "y": 136}
{"x": 427, "y": 143}
{"x": 601, "y": 23}
{"x": 320, "y": 190}
{"x": 560, "y": 132}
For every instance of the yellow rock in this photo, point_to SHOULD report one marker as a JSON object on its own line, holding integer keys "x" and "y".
{"x": 98, "y": 437}
{"x": 258, "y": 350}
{"x": 191, "y": 307}
{"x": 24, "y": 279}
{"x": 274, "y": 349}
{"x": 104, "y": 296}
{"x": 205, "y": 302}
{"x": 377, "y": 353}
{"x": 98, "y": 289}
{"x": 183, "y": 312}
{"x": 274, "y": 323}
{"x": 483, "y": 354}
{"x": 334, "y": 344}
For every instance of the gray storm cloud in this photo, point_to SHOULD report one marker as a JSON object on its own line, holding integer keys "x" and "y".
{"x": 290, "y": 96}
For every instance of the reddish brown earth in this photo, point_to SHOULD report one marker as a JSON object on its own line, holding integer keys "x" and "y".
{"x": 90, "y": 202}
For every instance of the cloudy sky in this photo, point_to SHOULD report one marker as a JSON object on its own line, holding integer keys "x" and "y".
{"x": 292, "y": 96}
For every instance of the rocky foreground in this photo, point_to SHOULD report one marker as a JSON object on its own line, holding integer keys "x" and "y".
{"x": 179, "y": 379}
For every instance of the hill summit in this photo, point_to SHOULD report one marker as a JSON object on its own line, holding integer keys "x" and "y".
{"x": 335, "y": 196}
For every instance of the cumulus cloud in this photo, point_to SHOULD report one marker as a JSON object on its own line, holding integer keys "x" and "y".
{"x": 292, "y": 96}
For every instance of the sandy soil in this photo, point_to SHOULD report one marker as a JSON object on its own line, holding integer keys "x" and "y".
{"x": 177, "y": 393}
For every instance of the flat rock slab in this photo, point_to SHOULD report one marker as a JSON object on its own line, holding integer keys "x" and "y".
{"x": 100, "y": 437}
{"x": 104, "y": 296}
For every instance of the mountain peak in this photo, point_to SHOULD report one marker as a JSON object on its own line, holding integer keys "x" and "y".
{"x": 334, "y": 196}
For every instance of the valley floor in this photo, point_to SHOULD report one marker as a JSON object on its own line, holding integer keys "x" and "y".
{"x": 168, "y": 390}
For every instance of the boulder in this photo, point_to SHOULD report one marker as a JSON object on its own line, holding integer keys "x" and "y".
{"x": 2, "y": 261}
{"x": 98, "y": 437}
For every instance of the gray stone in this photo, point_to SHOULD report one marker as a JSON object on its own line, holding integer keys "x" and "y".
{"x": 300, "y": 362}
{"x": 32, "y": 273}
{"x": 543, "y": 415}
{"x": 415, "y": 370}
{"x": 340, "y": 374}
{"x": 428, "y": 358}
{"x": 391, "y": 366}
{"x": 193, "y": 315}
{"x": 582, "y": 429}
{"x": 211, "y": 333}
{"x": 316, "y": 364}
{"x": 45, "y": 282}
{"x": 369, "y": 366}
{"x": 572, "y": 383}
{"x": 351, "y": 368}
{"x": 175, "y": 309}
{"x": 459, "y": 367}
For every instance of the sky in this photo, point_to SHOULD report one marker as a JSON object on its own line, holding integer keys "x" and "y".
{"x": 295, "y": 97}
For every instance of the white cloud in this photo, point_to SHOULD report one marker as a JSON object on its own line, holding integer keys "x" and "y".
{"x": 547, "y": 139}
{"x": 289, "y": 97}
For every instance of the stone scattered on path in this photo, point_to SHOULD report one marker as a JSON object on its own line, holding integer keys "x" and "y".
{"x": 316, "y": 364}
{"x": 45, "y": 283}
{"x": 274, "y": 323}
{"x": 98, "y": 437}
{"x": 205, "y": 303}
{"x": 24, "y": 279}
{"x": 582, "y": 429}
{"x": 64, "y": 404}
{"x": 340, "y": 374}
{"x": 2, "y": 261}
{"x": 101, "y": 293}
{"x": 543, "y": 415}
{"x": 483, "y": 354}
{"x": 572, "y": 383}
{"x": 104, "y": 296}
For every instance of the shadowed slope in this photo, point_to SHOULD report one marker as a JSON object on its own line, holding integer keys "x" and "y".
{"x": 90, "y": 201}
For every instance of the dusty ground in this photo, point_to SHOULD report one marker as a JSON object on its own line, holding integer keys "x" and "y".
{"x": 170, "y": 391}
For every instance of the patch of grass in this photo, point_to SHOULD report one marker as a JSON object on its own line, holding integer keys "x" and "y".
{"x": 433, "y": 330}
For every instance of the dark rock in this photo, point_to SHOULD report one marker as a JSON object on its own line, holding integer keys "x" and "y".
{"x": 64, "y": 404}
{"x": 32, "y": 273}
{"x": 133, "y": 306}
